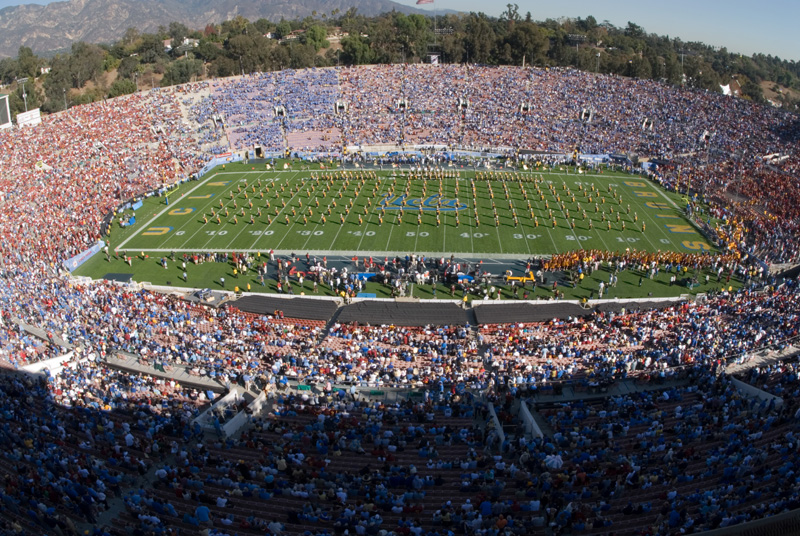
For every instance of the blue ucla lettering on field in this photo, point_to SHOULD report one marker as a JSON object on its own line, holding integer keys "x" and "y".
{"x": 430, "y": 203}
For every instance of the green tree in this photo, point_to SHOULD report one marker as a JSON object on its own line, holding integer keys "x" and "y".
{"x": 355, "y": 51}
{"x": 301, "y": 56}
{"x": 223, "y": 66}
{"x": 351, "y": 22}
{"x": 316, "y": 36}
{"x": 127, "y": 67}
{"x": 527, "y": 42}
{"x": 588, "y": 24}
{"x": 641, "y": 68}
{"x": 85, "y": 63}
{"x": 131, "y": 37}
{"x": 117, "y": 50}
{"x": 16, "y": 100}
{"x": 249, "y": 51}
{"x": 110, "y": 62}
{"x": 121, "y": 87}
{"x": 177, "y": 32}
{"x": 151, "y": 49}
{"x": 480, "y": 39}
{"x": 27, "y": 63}
{"x": 263, "y": 26}
{"x": 283, "y": 29}
{"x": 8, "y": 70}
{"x": 672, "y": 69}
{"x": 634, "y": 30}
{"x": 453, "y": 48}
{"x": 384, "y": 42}
{"x": 235, "y": 26}
{"x": 57, "y": 83}
{"x": 279, "y": 57}
{"x": 511, "y": 13}
{"x": 413, "y": 33}
{"x": 510, "y": 16}
{"x": 85, "y": 97}
{"x": 181, "y": 71}
{"x": 207, "y": 50}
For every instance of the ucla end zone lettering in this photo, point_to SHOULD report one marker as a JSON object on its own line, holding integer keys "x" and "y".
{"x": 156, "y": 231}
{"x": 181, "y": 211}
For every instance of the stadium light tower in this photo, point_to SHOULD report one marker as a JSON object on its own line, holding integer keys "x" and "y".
{"x": 597, "y": 67}
{"x": 683, "y": 76}
{"x": 65, "y": 97}
{"x": 24, "y": 95}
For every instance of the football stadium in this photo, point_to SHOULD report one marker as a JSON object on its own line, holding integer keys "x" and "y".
{"x": 402, "y": 299}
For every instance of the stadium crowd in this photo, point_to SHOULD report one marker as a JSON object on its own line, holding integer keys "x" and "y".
{"x": 685, "y": 457}
{"x": 681, "y": 459}
{"x": 227, "y": 344}
{"x": 63, "y": 177}
{"x": 73, "y": 441}
{"x": 759, "y": 207}
{"x": 655, "y": 343}
{"x": 460, "y": 105}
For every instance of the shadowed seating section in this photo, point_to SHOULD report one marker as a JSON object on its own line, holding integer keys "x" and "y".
{"x": 404, "y": 313}
{"x": 295, "y": 308}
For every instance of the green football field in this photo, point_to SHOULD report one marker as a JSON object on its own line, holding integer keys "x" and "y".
{"x": 488, "y": 214}
{"x": 386, "y": 213}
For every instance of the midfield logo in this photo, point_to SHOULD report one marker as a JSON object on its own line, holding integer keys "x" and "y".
{"x": 431, "y": 203}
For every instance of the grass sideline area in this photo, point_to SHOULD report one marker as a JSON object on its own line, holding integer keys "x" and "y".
{"x": 466, "y": 213}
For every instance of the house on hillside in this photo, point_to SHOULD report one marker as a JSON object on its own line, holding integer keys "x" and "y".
{"x": 186, "y": 43}
{"x": 295, "y": 35}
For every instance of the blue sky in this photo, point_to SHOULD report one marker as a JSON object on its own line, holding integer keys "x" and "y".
{"x": 743, "y": 26}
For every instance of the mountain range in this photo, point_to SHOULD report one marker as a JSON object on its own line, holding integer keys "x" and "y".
{"x": 57, "y": 25}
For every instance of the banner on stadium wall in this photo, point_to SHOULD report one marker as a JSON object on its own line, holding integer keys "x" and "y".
{"x": 430, "y": 148}
{"x": 137, "y": 205}
{"x": 474, "y": 154}
{"x": 75, "y": 262}
{"x": 218, "y": 160}
{"x": 29, "y": 119}
{"x": 439, "y": 150}
{"x": 314, "y": 156}
{"x": 595, "y": 158}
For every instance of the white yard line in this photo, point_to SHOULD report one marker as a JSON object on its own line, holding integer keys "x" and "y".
{"x": 154, "y": 218}
{"x": 371, "y": 214}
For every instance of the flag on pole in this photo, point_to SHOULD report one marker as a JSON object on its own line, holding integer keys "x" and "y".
{"x": 424, "y": 2}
